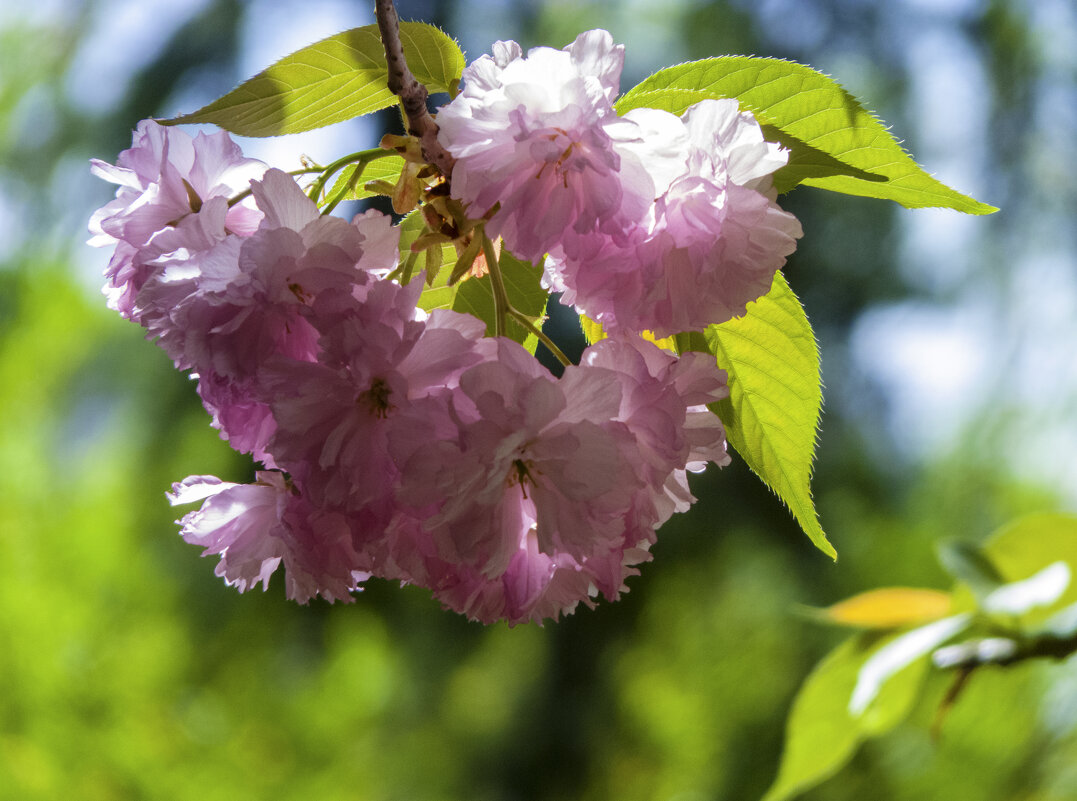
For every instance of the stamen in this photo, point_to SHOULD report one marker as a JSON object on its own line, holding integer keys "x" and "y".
{"x": 376, "y": 399}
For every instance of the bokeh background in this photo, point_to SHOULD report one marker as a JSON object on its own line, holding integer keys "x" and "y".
{"x": 949, "y": 347}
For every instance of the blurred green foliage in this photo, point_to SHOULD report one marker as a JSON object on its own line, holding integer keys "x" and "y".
{"x": 128, "y": 671}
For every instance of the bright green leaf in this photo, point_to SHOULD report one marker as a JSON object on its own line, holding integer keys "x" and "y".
{"x": 821, "y": 734}
{"x": 330, "y": 81}
{"x": 524, "y": 288}
{"x": 384, "y": 169}
{"x": 775, "y": 397}
{"x": 805, "y": 161}
{"x": 825, "y": 121}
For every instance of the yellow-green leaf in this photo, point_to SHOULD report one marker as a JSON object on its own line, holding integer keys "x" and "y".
{"x": 826, "y": 125}
{"x": 775, "y": 397}
{"x": 336, "y": 79}
{"x": 821, "y": 733}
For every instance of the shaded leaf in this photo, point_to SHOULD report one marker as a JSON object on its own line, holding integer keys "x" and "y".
{"x": 1061, "y": 624}
{"x": 821, "y": 734}
{"x": 336, "y": 79}
{"x": 775, "y": 397}
{"x": 887, "y": 608}
{"x": 523, "y": 285}
{"x": 967, "y": 562}
{"x": 814, "y": 110}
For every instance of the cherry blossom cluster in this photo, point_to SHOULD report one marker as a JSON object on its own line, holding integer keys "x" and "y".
{"x": 409, "y": 445}
{"x": 651, "y": 221}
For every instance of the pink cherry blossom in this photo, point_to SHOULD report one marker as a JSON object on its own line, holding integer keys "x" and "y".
{"x": 225, "y": 311}
{"x": 549, "y": 491}
{"x": 710, "y": 244}
{"x": 334, "y": 417}
{"x": 538, "y": 135}
{"x": 663, "y": 401}
{"x": 255, "y": 527}
{"x": 230, "y": 320}
{"x": 166, "y": 178}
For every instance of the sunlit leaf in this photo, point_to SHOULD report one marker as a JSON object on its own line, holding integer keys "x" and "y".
{"x": 805, "y": 161}
{"x": 593, "y": 332}
{"x": 336, "y": 79}
{"x": 821, "y": 734}
{"x": 816, "y": 112}
{"x": 887, "y": 608}
{"x": 775, "y": 397}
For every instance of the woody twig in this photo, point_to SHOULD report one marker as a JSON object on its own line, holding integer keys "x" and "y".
{"x": 412, "y": 94}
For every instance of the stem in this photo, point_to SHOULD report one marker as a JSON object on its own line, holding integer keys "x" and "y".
{"x": 502, "y": 305}
{"x": 501, "y": 297}
{"x": 525, "y": 321}
{"x": 363, "y": 156}
{"x": 412, "y": 94}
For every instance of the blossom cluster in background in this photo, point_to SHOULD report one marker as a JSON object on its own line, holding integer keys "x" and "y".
{"x": 411, "y": 446}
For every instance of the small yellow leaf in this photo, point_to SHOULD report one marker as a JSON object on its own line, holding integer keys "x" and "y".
{"x": 594, "y": 332}
{"x": 591, "y": 330}
{"x": 667, "y": 343}
{"x": 888, "y": 608}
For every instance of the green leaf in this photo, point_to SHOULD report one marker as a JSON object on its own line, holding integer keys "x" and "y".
{"x": 805, "y": 161}
{"x": 775, "y": 397}
{"x": 902, "y": 651}
{"x": 1042, "y": 589}
{"x": 821, "y": 734}
{"x": 523, "y": 283}
{"x": 386, "y": 169}
{"x": 967, "y": 562}
{"x": 336, "y": 79}
{"x": 818, "y": 114}
{"x": 1028, "y": 546}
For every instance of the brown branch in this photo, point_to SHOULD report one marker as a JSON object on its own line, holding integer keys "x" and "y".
{"x": 412, "y": 94}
